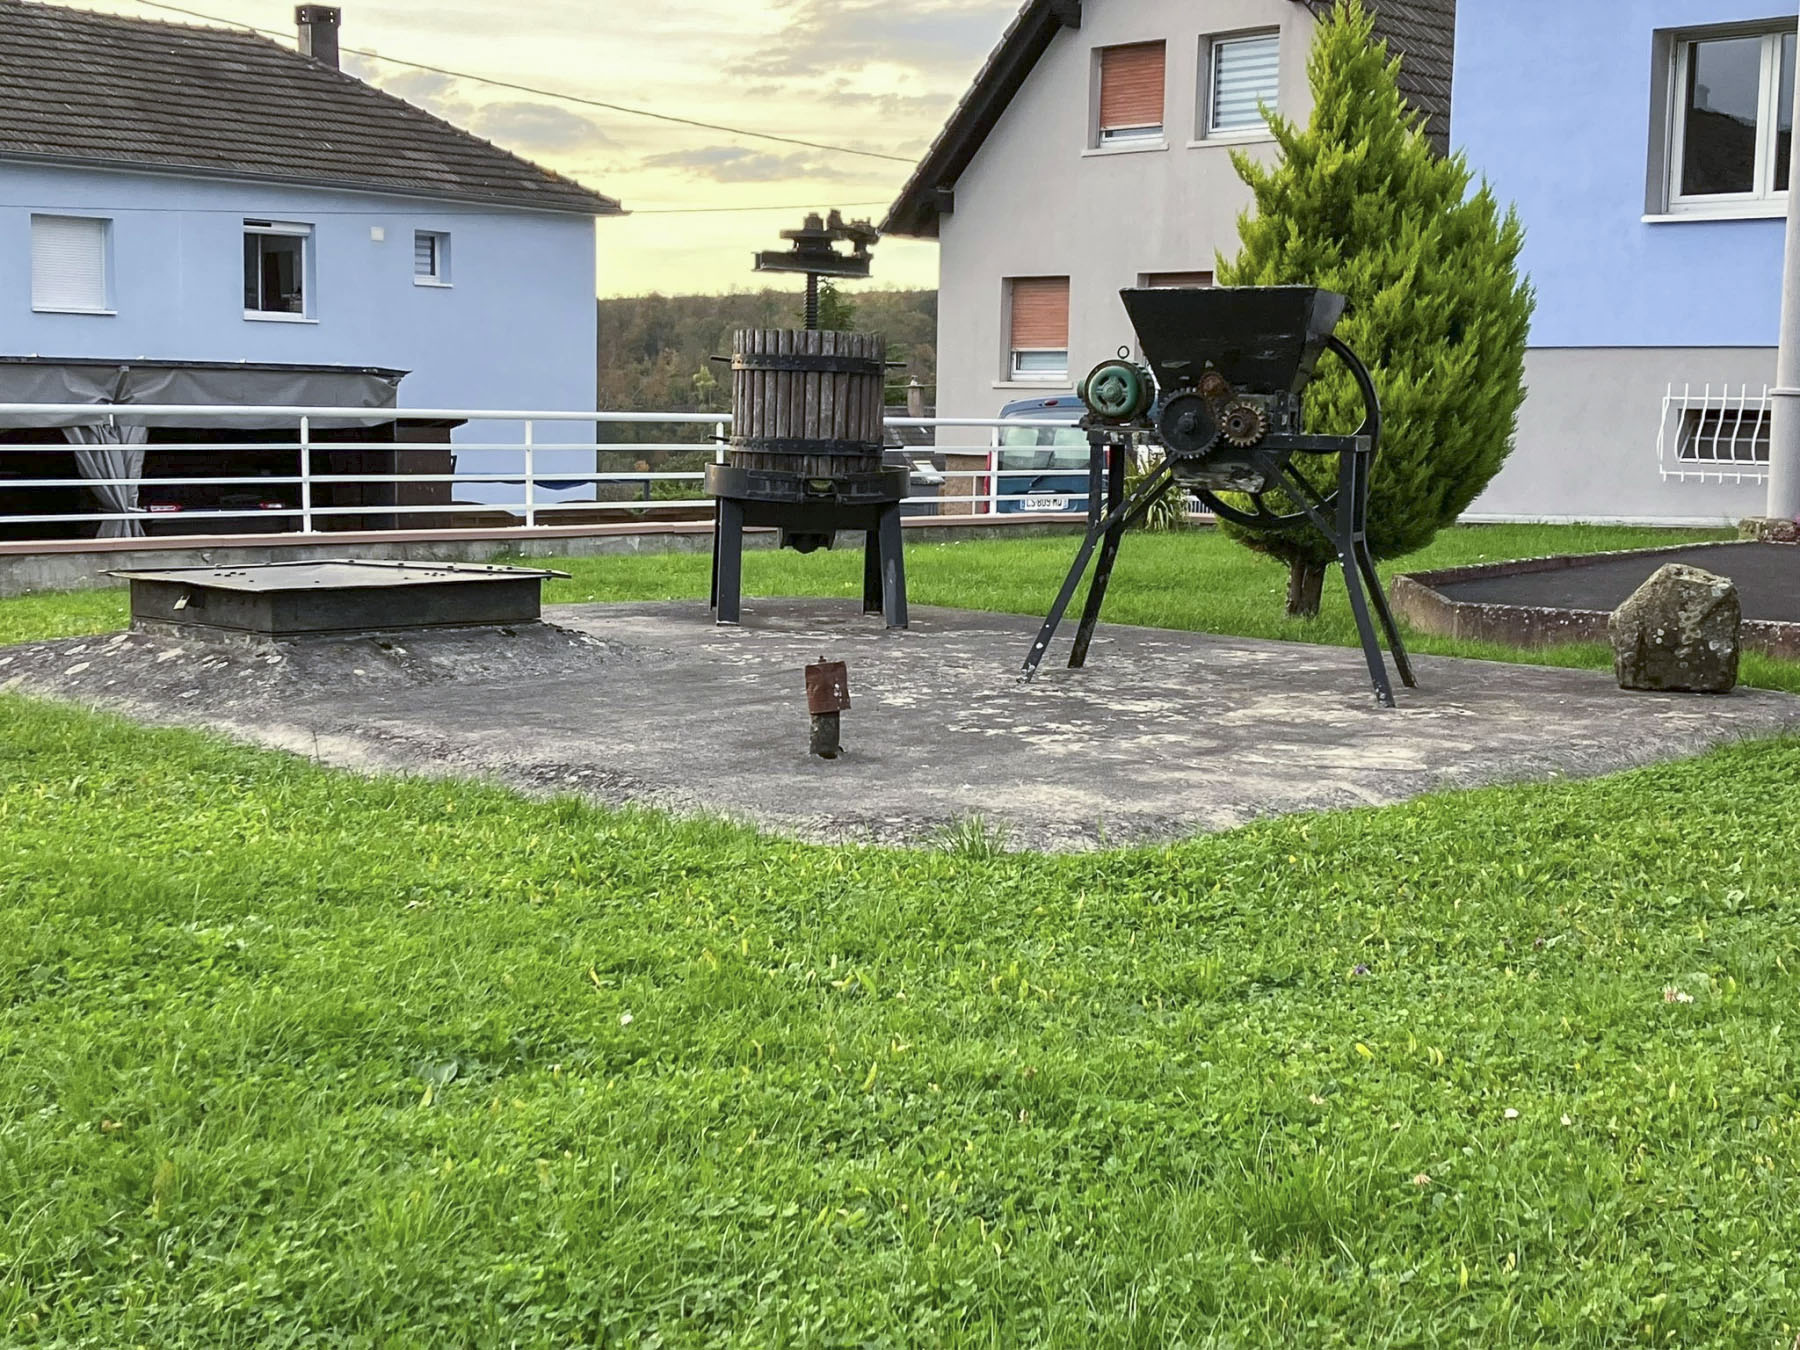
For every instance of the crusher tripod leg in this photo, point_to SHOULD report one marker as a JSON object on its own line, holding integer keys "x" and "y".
{"x": 1347, "y": 536}
{"x": 1120, "y": 514}
{"x": 1109, "y": 553}
{"x": 1357, "y": 479}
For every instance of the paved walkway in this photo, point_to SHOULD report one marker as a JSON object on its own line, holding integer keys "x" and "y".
{"x": 1164, "y": 734}
{"x": 1767, "y": 578}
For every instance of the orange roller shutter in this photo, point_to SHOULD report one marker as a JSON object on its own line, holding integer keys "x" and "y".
{"x": 1131, "y": 86}
{"x": 1040, "y": 314}
{"x": 1179, "y": 281}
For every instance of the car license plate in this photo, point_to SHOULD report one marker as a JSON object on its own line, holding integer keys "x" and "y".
{"x": 1045, "y": 504}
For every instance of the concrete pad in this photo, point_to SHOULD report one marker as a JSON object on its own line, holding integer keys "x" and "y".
{"x": 1164, "y": 734}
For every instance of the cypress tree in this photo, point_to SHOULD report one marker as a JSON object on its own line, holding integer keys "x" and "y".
{"x": 1358, "y": 202}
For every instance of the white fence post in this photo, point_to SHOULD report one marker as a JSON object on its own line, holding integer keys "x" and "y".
{"x": 306, "y": 503}
{"x": 530, "y": 474}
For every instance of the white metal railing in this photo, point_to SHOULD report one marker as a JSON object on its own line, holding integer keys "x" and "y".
{"x": 1714, "y": 437}
{"x": 536, "y": 467}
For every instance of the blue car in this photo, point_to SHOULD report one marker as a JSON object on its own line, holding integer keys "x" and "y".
{"x": 1041, "y": 469}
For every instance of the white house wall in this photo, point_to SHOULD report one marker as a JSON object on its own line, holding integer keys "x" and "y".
{"x": 1036, "y": 201}
{"x": 1588, "y": 437}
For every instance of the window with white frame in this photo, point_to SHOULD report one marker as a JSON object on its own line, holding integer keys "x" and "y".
{"x": 277, "y": 268}
{"x": 1243, "y": 76}
{"x": 431, "y": 258}
{"x": 1732, "y": 120}
{"x": 69, "y": 269}
{"x": 1038, "y": 327}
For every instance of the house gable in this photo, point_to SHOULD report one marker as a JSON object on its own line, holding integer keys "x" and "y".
{"x": 1421, "y": 32}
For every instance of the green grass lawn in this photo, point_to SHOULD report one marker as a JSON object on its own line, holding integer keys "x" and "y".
{"x": 1197, "y": 580}
{"x": 289, "y": 1057}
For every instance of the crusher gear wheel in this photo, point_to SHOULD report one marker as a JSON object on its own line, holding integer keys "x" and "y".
{"x": 1187, "y": 425}
{"x": 1243, "y": 424}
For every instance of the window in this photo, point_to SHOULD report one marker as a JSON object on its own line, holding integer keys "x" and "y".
{"x": 1723, "y": 436}
{"x": 1733, "y": 120}
{"x": 68, "y": 264}
{"x": 1039, "y": 329}
{"x": 1245, "y": 75}
{"x": 276, "y": 263}
{"x": 1131, "y": 93}
{"x": 431, "y": 258}
{"x": 1043, "y": 447}
{"x": 1177, "y": 281}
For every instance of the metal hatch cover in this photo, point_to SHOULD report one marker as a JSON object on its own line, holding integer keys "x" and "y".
{"x": 334, "y": 597}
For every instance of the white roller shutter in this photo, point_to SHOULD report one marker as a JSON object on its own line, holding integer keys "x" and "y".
{"x": 68, "y": 262}
{"x": 1246, "y": 72}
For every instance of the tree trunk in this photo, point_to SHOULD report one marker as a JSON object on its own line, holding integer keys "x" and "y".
{"x": 1306, "y": 583}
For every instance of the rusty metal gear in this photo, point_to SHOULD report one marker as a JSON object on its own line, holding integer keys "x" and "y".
{"x": 1243, "y": 423}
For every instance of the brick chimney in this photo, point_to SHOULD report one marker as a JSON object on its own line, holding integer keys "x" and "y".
{"x": 915, "y": 398}
{"x": 319, "y": 32}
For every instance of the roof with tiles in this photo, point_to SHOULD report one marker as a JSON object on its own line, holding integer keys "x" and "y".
{"x": 1421, "y": 32}
{"x": 85, "y": 88}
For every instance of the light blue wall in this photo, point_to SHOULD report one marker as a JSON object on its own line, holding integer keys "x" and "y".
{"x": 515, "y": 330}
{"x": 1553, "y": 104}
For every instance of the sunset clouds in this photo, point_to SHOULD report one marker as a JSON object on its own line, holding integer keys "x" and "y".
{"x": 874, "y": 74}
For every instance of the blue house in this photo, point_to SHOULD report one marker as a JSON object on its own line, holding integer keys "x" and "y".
{"x": 1647, "y": 146}
{"x": 247, "y": 223}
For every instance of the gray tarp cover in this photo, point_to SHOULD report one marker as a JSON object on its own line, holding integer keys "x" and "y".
{"x": 227, "y": 385}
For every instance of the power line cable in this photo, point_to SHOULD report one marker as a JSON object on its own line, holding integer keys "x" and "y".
{"x": 545, "y": 93}
{"x": 452, "y": 213}
{"x": 720, "y": 210}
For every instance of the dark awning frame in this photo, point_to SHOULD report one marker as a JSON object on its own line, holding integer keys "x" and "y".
{"x": 226, "y": 384}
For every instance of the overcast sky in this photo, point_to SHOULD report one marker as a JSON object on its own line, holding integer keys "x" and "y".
{"x": 876, "y": 74}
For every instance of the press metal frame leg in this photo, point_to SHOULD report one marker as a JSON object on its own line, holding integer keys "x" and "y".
{"x": 728, "y": 562}
{"x": 872, "y": 584}
{"x": 891, "y": 552}
{"x": 1109, "y": 552}
{"x": 713, "y": 600}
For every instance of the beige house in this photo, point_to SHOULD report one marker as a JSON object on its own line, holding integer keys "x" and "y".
{"x": 1093, "y": 153}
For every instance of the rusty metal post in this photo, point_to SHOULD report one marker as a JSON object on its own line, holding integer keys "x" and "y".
{"x": 827, "y": 696}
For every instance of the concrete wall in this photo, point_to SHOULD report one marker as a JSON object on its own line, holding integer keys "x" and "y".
{"x": 515, "y": 329}
{"x": 1038, "y": 200}
{"x": 1587, "y": 447}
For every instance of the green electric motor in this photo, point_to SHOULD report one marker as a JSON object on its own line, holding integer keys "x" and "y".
{"x": 1118, "y": 391}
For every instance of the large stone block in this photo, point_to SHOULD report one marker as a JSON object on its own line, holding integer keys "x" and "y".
{"x": 1679, "y": 633}
{"x": 1762, "y": 529}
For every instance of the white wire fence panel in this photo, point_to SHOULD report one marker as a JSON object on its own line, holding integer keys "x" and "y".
{"x": 321, "y": 469}
{"x": 1715, "y": 434}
